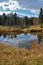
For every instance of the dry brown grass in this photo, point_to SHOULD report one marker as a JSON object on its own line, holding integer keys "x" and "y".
{"x": 7, "y": 29}
{"x": 10, "y": 55}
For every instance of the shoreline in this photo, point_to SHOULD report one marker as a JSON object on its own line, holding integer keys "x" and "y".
{"x": 11, "y": 29}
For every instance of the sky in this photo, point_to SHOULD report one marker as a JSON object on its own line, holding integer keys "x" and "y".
{"x": 30, "y": 8}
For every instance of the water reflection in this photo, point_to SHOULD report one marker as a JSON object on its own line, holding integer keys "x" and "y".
{"x": 40, "y": 38}
{"x": 20, "y": 40}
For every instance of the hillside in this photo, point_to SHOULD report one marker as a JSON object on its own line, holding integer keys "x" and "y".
{"x": 10, "y": 55}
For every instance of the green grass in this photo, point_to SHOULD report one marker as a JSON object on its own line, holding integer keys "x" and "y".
{"x": 41, "y": 25}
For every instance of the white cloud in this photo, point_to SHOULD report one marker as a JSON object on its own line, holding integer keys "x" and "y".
{"x": 5, "y": 12}
{"x": 14, "y": 5}
{"x": 35, "y": 11}
{"x": 22, "y": 15}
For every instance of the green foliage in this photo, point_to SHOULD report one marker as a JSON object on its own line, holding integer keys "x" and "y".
{"x": 13, "y": 19}
{"x": 1, "y": 21}
{"x": 41, "y": 25}
{"x": 4, "y": 18}
{"x": 41, "y": 16}
{"x": 26, "y": 21}
{"x": 39, "y": 38}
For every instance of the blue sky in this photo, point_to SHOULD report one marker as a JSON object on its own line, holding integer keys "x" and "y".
{"x": 28, "y": 8}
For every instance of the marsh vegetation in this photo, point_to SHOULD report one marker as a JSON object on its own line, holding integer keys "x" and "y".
{"x": 22, "y": 31}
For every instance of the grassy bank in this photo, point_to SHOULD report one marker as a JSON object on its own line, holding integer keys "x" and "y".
{"x": 10, "y": 55}
{"x": 10, "y": 29}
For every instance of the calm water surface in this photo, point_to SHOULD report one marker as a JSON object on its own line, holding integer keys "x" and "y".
{"x": 21, "y": 40}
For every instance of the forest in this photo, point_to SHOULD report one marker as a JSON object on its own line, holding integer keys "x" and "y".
{"x": 13, "y": 19}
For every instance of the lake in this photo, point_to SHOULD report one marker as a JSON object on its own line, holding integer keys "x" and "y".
{"x": 20, "y": 40}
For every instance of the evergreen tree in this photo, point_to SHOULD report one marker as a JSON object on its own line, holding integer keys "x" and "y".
{"x": 1, "y": 22}
{"x": 41, "y": 15}
{"x": 15, "y": 18}
{"x": 4, "y": 19}
{"x": 26, "y": 21}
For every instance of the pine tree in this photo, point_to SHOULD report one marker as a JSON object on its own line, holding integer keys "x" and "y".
{"x": 41, "y": 15}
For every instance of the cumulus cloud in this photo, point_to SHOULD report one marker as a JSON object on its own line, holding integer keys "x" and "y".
{"x": 18, "y": 6}
{"x": 22, "y": 15}
{"x": 12, "y": 5}
{"x": 35, "y": 11}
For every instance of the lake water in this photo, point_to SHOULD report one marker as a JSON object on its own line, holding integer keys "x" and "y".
{"x": 21, "y": 40}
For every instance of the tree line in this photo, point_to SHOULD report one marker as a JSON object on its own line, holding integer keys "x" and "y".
{"x": 13, "y": 19}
